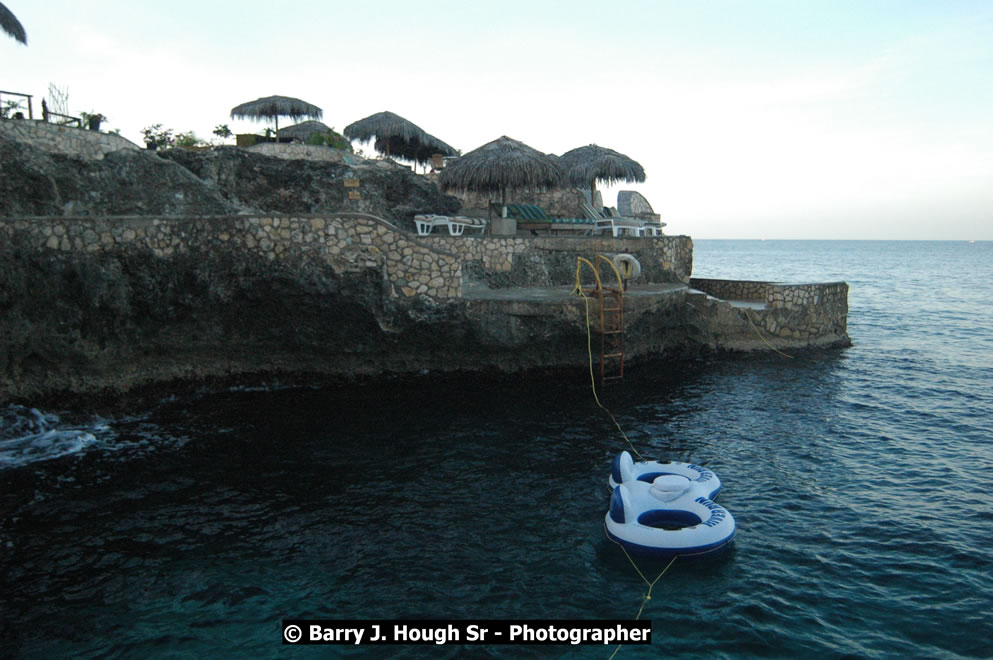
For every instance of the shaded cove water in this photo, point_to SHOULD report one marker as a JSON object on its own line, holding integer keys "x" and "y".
{"x": 860, "y": 480}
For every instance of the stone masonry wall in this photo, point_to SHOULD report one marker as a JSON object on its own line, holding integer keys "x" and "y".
{"x": 293, "y": 151}
{"x": 733, "y": 289}
{"x": 544, "y": 261}
{"x": 67, "y": 140}
{"x": 433, "y": 266}
{"x": 347, "y": 242}
{"x": 797, "y": 314}
{"x": 776, "y": 295}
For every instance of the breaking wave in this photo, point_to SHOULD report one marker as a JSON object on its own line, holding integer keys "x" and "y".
{"x": 28, "y": 435}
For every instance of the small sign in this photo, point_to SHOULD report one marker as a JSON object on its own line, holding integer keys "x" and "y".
{"x": 354, "y": 194}
{"x": 351, "y": 183}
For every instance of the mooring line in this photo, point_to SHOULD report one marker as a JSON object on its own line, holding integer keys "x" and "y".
{"x": 749, "y": 317}
{"x": 651, "y": 584}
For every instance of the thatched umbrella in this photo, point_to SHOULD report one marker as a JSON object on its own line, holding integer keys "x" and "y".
{"x": 584, "y": 166}
{"x": 12, "y": 26}
{"x": 395, "y": 135}
{"x": 274, "y": 107}
{"x": 417, "y": 151}
{"x": 501, "y": 164}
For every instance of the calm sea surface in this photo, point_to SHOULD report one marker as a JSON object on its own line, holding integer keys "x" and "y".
{"x": 861, "y": 481}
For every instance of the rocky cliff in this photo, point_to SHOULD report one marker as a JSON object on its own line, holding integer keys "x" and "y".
{"x": 219, "y": 181}
{"x": 125, "y": 182}
{"x": 278, "y": 185}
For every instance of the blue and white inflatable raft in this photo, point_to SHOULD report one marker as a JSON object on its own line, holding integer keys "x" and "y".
{"x": 664, "y": 510}
{"x": 625, "y": 469}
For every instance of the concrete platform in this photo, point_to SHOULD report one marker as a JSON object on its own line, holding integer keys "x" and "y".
{"x": 561, "y": 294}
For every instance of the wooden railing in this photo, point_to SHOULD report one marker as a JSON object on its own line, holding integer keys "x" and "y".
{"x": 27, "y": 96}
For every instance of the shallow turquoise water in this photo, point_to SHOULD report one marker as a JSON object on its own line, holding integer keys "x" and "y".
{"x": 859, "y": 479}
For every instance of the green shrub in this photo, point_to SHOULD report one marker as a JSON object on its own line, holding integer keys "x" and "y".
{"x": 331, "y": 139}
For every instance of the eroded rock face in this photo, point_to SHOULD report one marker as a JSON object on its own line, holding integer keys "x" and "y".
{"x": 111, "y": 322}
{"x": 126, "y": 182}
{"x": 281, "y": 185}
{"x": 219, "y": 181}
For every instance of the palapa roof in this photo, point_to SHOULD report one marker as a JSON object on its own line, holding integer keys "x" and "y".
{"x": 419, "y": 152}
{"x": 12, "y": 26}
{"x": 396, "y": 136}
{"x": 276, "y": 106}
{"x": 585, "y": 165}
{"x": 501, "y": 164}
{"x": 384, "y": 125}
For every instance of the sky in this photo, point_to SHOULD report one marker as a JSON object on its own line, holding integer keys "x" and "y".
{"x": 816, "y": 119}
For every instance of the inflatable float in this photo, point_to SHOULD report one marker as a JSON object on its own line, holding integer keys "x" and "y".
{"x": 661, "y": 514}
{"x": 625, "y": 469}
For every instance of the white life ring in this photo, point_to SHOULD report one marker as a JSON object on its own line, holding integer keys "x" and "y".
{"x": 667, "y": 518}
{"x": 625, "y": 469}
{"x": 628, "y": 265}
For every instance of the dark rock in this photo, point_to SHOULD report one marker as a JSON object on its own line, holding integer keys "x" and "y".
{"x": 278, "y": 185}
{"x": 220, "y": 181}
{"x": 37, "y": 182}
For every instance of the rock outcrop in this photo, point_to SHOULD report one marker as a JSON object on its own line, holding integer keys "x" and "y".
{"x": 125, "y": 182}
{"x": 279, "y": 185}
{"x": 218, "y": 181}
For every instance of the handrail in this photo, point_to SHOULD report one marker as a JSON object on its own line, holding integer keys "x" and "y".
{"x": 27, "y": 96}
{"x": 596, "y": 272}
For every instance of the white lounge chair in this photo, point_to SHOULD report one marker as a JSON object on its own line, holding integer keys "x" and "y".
{"x": 617, "y": 226}
{"x": 456, "y": 224}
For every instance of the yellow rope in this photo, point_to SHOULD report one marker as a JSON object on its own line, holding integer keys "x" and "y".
{"x": 651, "y": 585}
{"x": 749, "y": 317}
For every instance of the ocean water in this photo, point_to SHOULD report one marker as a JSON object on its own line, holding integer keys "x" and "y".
{"x": 860, "y": 480}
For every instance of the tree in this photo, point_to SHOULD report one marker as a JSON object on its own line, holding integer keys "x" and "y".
{"x": 12, "y": 26}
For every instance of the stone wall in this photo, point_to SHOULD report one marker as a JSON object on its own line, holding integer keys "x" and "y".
{"x": 347, "y": 242}
{"x": 776, "y": 295}
{"x": 546, "y": 261}
{"x": 292, "y": 151}
{"x": 733, "y": 289}
{"x": 770, "y": 313}
{"x": 433, "y": 266}
{"x": 67, "y": 140}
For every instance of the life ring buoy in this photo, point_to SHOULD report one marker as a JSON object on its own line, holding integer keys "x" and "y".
{"x": 628, "y": 265}
{"x": 667, "y": 518}
{"x": 625, "y": 469}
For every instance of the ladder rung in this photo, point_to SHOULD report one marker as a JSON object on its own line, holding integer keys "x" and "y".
{"x": 611, "y": 316}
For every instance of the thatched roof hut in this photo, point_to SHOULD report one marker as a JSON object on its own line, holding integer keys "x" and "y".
{"x": 12, "y": 26}
{"x": 584, "y": 166}
{"x": 391, "y": 134}
{"x": 274, "y": 107}
{"x": 501, "y": 164}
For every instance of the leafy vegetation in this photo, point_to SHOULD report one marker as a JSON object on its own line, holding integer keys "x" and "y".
{"x": 331, "y": 139}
